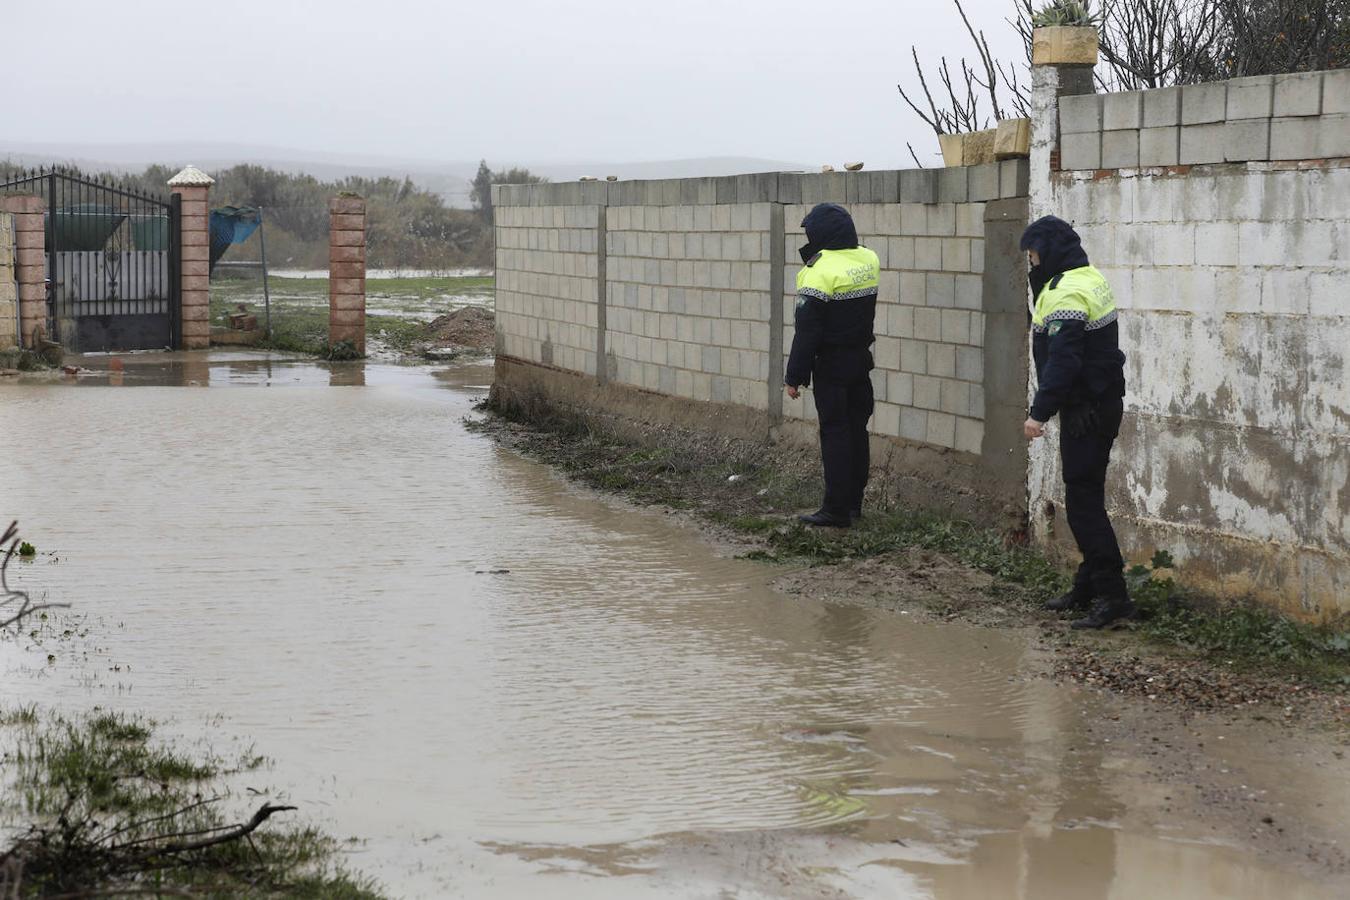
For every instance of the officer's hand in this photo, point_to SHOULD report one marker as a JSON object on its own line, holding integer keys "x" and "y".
{"x": 1033, "y": 429}
{"x": 793, "y": 391}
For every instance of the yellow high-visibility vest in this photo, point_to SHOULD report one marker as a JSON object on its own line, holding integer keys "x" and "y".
{"x": 1081, "y": 295}
{"x": 840, "y": 275}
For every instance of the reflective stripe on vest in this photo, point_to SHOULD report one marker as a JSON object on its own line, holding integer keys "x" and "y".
{"x": 1080, "y": 295}
{"x": 841, "y": 275}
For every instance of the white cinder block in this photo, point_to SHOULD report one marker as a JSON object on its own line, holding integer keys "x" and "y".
{"x": 969, "y": 435}
{"x": 1285, "y": 292}
{"x": 1174, "y": 245}
{"x": 1327, "y": 293}
{"x": 886, "y": 420}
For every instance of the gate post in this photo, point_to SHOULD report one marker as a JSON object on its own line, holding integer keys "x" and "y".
{"x": 30, "y": 264}
{"x": 192, "y": 185}
{"x": 347, "y": 271}
{"x": 9, "y": 292}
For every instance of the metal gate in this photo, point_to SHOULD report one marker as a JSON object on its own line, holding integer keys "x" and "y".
{"x": 113, "y": 263}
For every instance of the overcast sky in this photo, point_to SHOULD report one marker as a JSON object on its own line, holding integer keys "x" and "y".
{"x": 512, "y": 80}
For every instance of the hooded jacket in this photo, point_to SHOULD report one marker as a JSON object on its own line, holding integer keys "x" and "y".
{"x": 1076, "y": 338}
{"x": 836, "y": 301}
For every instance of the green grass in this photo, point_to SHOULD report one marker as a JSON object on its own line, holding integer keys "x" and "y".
{"x": 108, "y": 804}
{"x": 300, "y": 309}
{"x": 106, "y": 761}
{"x": 24, "y": 360}
{"x": 1249, "y": 633}
{"x": 20, "y": 716}
{"x": 118, "y": 728}
{"x": 746, "y": 488}
{"x": 426, "y": 288}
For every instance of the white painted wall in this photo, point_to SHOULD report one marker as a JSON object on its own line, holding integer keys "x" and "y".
{"x": 1234, "y": 287}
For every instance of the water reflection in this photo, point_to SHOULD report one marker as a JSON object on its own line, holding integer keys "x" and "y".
{"x": 313, "y": 565}
{"x": 242, "y": 368}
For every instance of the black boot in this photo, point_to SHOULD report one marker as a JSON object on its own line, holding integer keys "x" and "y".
{"x": 1106, "y": 611}
{"x": 1074, "y": 599}
{"x": 855, "y": 515}
{"x": 823, "y": 519}
{"x": 1080, "y": 596}
{"x": 1115, "y": 603}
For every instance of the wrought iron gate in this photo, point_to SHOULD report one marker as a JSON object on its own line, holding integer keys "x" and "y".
{"x": 113, "y": 263}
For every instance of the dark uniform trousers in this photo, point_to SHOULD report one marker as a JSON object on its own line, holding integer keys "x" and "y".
{"x": 1084, "y": 458}
{"x": 844, "y": 403}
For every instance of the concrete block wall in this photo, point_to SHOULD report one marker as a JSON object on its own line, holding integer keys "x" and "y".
{"x": 1235, "y": 453}
{"x": 1302, "y": 116}
{"x": 687, "y": 302}
{"x": 686, "y": 289}
{"x": 548, "y": 264}
{"x": 9, "y": 287}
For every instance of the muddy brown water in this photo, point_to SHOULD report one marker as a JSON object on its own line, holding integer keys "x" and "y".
{"x": 503, "y": 685}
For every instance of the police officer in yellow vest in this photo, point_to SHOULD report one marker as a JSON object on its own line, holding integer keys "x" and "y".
{"x": 1080, "y": 374}
{"x": 836, "y": 309}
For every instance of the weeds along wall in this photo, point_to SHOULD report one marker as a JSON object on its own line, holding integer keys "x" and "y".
{"x": 1220, "y": 213}
{"x": 672, "y": 302}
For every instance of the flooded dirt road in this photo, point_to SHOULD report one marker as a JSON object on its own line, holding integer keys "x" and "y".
{"x": 503, "y": 685}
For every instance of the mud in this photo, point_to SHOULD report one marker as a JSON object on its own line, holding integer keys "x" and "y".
{"x": 470, "y": 329}
{"x": 611, "y": 708}
{"x": 908, "y": 581}
{"x": 1163, "y": 716}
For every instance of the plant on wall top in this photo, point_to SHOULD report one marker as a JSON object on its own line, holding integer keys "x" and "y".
{"x": 1065, "y": 12}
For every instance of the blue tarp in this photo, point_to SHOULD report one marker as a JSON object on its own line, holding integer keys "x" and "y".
{"x": 231, "y": 225}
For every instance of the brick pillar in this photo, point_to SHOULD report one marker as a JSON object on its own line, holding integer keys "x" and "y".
{"x": 193, "y": 185}
{"x": 347, "y": 271}
{"x": 30, "y": 264}
{"x": 9, "y": 293}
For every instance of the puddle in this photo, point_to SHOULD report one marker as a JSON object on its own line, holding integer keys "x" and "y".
{"x": 608, "y": 710}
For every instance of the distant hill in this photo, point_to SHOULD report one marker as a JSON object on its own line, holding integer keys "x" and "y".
{"x": 450, "y": 179}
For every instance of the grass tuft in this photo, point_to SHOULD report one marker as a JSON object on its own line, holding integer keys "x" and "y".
{"x": 114, "y": 813}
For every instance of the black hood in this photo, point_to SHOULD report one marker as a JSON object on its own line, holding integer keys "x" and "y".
{"x": 1058, "y": 246}
{"x": 828, "y": 227}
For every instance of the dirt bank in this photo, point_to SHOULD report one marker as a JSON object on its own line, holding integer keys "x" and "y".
{"x": 471, "y": 329}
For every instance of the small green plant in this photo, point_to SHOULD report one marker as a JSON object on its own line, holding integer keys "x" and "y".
{"x": 1153, "y": 595}
{"x": 1248, "y": 632}
{"x": 27, "y": 550}
{"x": 1071, "y": 13}
{"x": 342, "y": 351}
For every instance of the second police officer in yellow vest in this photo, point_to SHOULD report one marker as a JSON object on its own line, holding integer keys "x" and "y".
{"x": 1081, "y": 377}
{"x": 836, "y": 308}
{"x": 1079, "y": 369}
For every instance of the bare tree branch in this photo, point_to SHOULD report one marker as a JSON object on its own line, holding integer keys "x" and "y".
{"x": 266, "y": 811}
{"x": 988, "y": 80}
{"x": 986, "y": 59}
{"x": 8, "y": 596}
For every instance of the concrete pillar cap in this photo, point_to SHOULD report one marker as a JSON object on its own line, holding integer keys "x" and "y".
{"x": 191, "y": 176}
